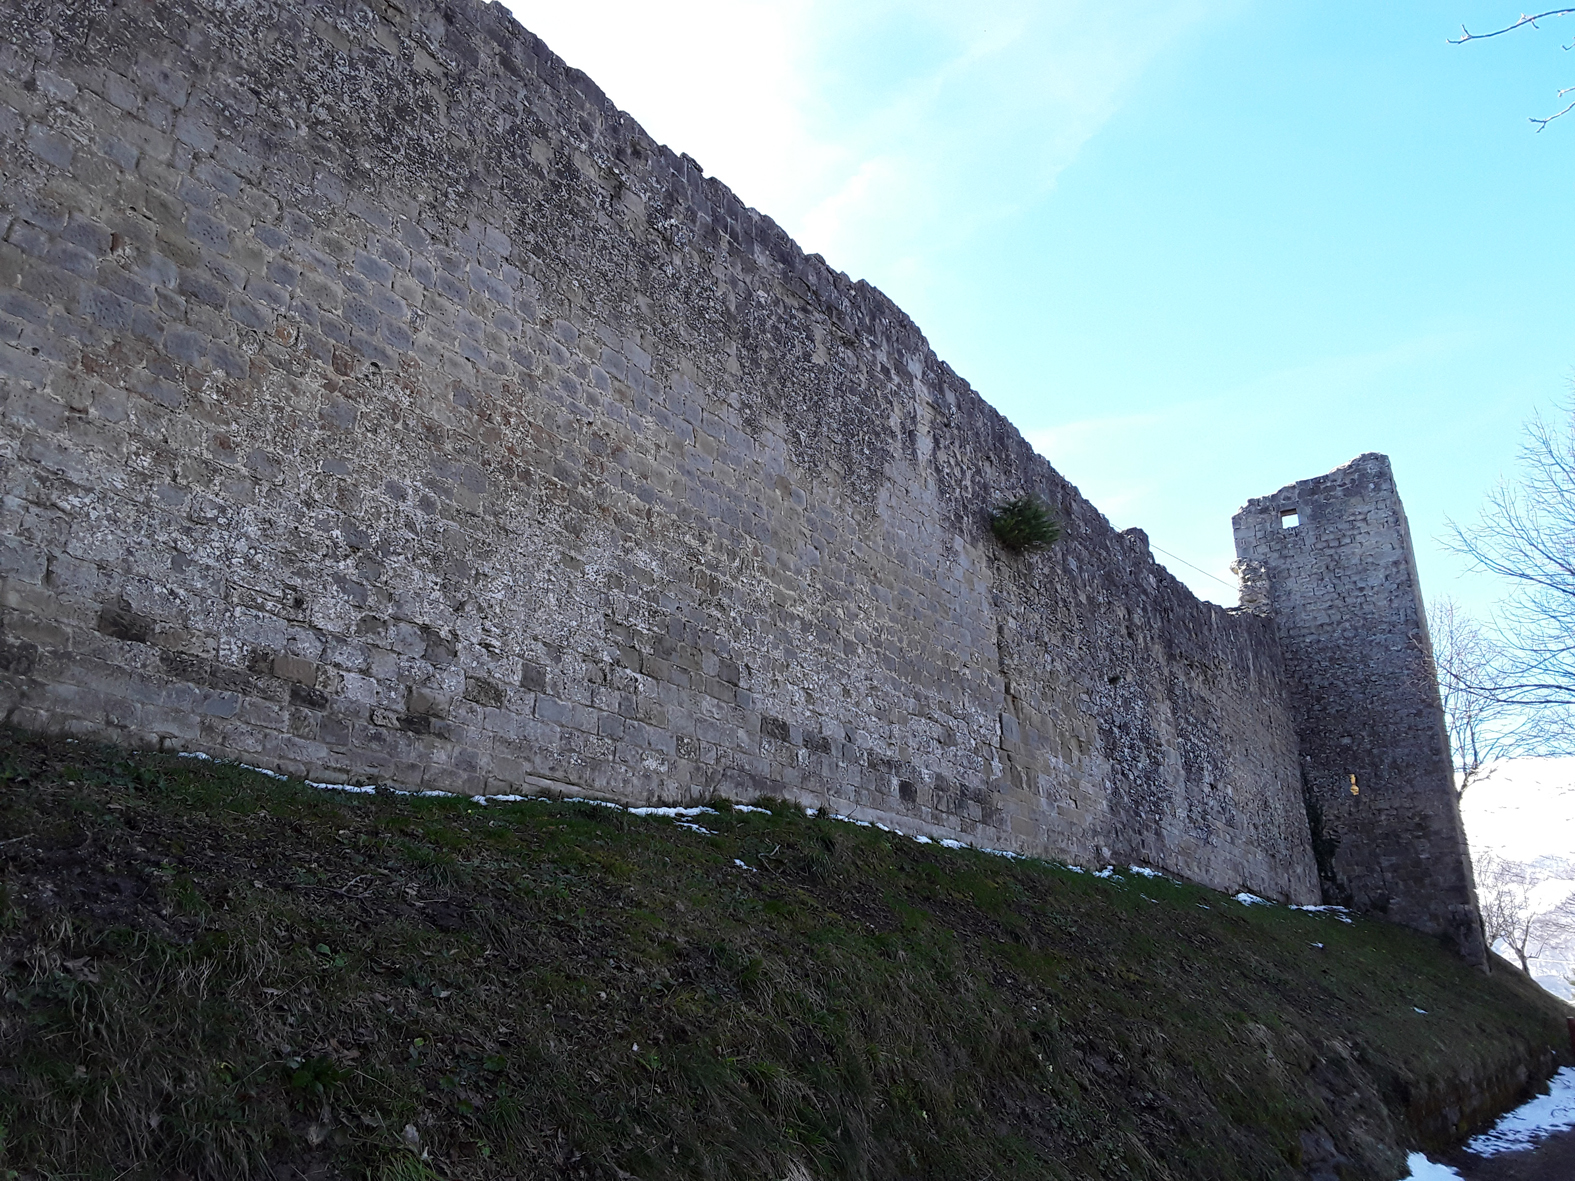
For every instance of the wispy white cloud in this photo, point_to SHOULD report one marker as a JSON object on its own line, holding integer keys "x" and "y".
{"x": 885, "y": 134}
{"x": 1137, "y": 450}
{"x": 1143, "y": 468}
{"x": 894, "y": 137}
{"x": 1355, "y": 376}
{"x": 1083, "y": 451}
{"x": 953, "y": 118}
{"x": 1081, "y": 434}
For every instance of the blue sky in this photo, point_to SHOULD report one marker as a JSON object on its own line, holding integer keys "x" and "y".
{"x": 1194, "y": 249}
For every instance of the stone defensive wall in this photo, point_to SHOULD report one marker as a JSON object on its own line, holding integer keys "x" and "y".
{"x": 380, "y": 403}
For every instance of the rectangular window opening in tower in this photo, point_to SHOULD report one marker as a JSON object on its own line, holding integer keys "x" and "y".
{"x": 1289, "y": 518}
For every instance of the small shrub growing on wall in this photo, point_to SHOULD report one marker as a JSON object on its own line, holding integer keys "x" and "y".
{"x": 1025, "y": 525}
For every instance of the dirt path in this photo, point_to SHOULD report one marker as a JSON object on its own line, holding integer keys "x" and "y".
{"x": 1552, "y": 1160}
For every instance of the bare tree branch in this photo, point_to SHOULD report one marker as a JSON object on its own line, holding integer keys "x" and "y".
{"x": 1542, "y": 124}
{"x": 1482, "y": 728}
{"x": 1466, "y": 35}
{"x": 1525, "y": 19}
{"x": 1526, "y": 535}
{"x": 1517, "y": 914}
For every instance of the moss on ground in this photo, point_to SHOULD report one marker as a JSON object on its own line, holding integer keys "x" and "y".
{"x": 211, "y": 973}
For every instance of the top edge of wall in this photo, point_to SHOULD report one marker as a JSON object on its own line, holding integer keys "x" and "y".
{"x": 879, "y": 319}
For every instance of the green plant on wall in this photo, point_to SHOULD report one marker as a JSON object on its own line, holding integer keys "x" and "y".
{"x": 1025, "y": 524}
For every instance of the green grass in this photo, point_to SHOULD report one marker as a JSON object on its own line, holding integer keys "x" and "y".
{"x": 209, "y": 973}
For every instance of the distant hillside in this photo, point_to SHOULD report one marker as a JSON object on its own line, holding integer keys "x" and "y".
{"x": 210, "y": 973}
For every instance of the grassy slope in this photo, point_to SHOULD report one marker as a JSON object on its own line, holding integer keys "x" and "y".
{"x": 206, "y": 971}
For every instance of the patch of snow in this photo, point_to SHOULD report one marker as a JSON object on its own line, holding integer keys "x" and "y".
{"x": 752, "y": 808}
{"x": 741, "y": 865}
{"x": 1557, "y": 985}
{"x": 922, "y": 839}
{"x": 1423, "y": 1169}
{"x": 1525, "y": 1127}
{"x": 948, "y": 843}
{"x": 1414, "y": 1009}
{"x": 1338, "y": 912}
{"x": 207, "y": 758}
{"x": 1531, "y": 1122}
{"x": 686, "y": 813}
{"x": 1319, "y": 946}
{"x": 356, "y": 789}
{"x": 1247, "y": 899}
{"x": 1108, "y": 872}
{"x": 1145, "y": 871}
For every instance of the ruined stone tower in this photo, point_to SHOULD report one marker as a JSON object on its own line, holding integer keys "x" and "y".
{"x": 1330, "y": 559}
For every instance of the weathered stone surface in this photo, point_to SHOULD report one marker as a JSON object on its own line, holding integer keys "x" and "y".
{"x": 1331, "y": 560}
{"x": 380, "y": 401}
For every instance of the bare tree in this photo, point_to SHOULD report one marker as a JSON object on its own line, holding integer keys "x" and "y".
{"x": 1525, "y": 19}
{"x": 1526, "y": 535}
{"x": 1517, "y": 914}
{"x": 1482, "y": 729}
